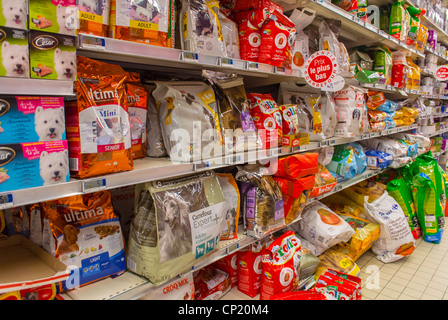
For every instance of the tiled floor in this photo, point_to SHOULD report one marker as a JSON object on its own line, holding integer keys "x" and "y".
{"x": 421, "y": 276}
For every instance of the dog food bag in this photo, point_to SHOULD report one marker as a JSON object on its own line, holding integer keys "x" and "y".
{"x": 281, "y": 266}
{"x": 256, "y": 4}
{"x": 328, "y": 40}
{"x": 230, "y": 36}
{"x": 277, "y": 37}
{"x": 229, "y": 264}
{"x": 250, "y": 40}
{"x": 348, "y": 160}
{"x": 93, "y": 17}
{"x": 201, "y": 28}
{"x": 98, "y": 128}
{"x": 151, "y": 21}
{"x": 189, "y": 120}
{"x": 322, "y": 227}
{"x": 179, "y": 288}
{"x": 431, "y": 206}
{"x": 87, "y": 235}
{"x": 324, "y": 182}
{"x": 52, "y": 56}
{"x": 397, "y": 25}
{"x": 267, "y": 118}
{"x": 396, "y": 240}
{"x": 211, "y": 283}
{"x": 382, "y": 63}
{"x": 155, "y": 145}
{"x": 290, "y": 124}
{"x": 350, "y": 104}
{"x": 53, "y": 16}
{"x": 250, "y": 267}
{"x": 232, "y": 208}
{"x": 402, "y": 193}
{"x": 238, "y": 127}
{"x": 171, "y": 229}
{"x": 261, "y": 201}
{"x": 14, "y": 53}
{"x": 33, "y": 164}
{"x": 297, "y": 165}
{"x": 137, "y": 101}
{"x": 422, "y": 38}
{"x": 337, "y": 258}
{"x": 30, "y": 119}
{"x": 14, "y": 14}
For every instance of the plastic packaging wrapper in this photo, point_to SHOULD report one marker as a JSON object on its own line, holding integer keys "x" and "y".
{"x": 324, "y": 182}
{"x": 377, "y": 159}
{"x": 231, "y": 193}
{"x": 349, "y": 103}
{"x": 348, "y": 161}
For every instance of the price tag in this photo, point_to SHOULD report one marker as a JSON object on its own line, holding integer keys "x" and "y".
{"x": 190, "y": 56}
{"x": 93, "y": 185}
{"x": 252, "y": 65}
{"x": 6, "y": 201}
{"x": 87, "y": 41}
{"x": 232, "y": 248}
{"x": 226, "y": 62}
{"x": 280, "y": 70}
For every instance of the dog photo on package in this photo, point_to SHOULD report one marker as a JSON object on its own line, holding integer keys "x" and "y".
{"x": 14, "y": 53}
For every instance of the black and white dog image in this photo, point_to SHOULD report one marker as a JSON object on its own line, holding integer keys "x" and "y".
{"x": 175, "y": 239}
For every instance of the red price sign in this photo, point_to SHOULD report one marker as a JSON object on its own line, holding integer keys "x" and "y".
{"x": 442, "y": 73}
{"x": 320, "y": 69}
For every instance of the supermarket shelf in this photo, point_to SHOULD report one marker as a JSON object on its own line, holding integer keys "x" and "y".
{"x": 356, "y": 31}
{"x": 439, "y": 55}
{"x": 21, "y": 86}
{"x": 428, "y": 116}
{"x": 165, "y": 59}
{"x": 438, "y": 132}
{"x": 130, "y": 286}
{"x": 438, "y": 154}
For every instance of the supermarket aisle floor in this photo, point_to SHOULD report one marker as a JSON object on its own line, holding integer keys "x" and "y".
{"x": 421, "y": 276}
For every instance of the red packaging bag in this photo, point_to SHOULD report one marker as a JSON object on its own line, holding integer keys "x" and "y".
{"x": 281, "y": 262}
{"x": 277, "y": 37}
{"x": 250, "y": 40}
{"x": 229, "y": 264}
{"x": 298, "y": 165}
{"x": 256, "y": 4}
{"x": 354, "y": 279}
{"x": 210, "y": 283}
{"x": 249, "y": 269}
{"x": 267, "y": 118}
{"x": 299, "y": 295}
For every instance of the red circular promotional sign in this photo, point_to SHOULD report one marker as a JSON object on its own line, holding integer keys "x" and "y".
{"x": 441, "y": 73}
{"x": 320, "y": 69}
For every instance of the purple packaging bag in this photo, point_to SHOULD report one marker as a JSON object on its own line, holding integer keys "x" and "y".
{"x": 432, "y": 39}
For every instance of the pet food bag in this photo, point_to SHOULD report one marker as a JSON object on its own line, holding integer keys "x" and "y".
{"x": 151, "y": 21}
{"x": 211, "y": 283}
{"x": 201, "y": 29}
{"x": 337, "y": 258}
{"x": 155, "y": 146}
{"x": 382, "y": 63}
{"x": 281, "y": 266}
{"x": 250, "y": 40}
{"x": 189, "y": 120}
{"x": 98, "y": 127}
{"x": 328, "y": 40}
{"x": 93, "y": 17}
{"x": 297, "y": 165}
{"x": 229, "y": 264}
{"x": 238, "y": 127}
{"x": 290, "y": 124}
{"x": 87, "y": 234}
{"x": 396, "y": 240}
{"x": 324, "y": 182}
{"x": 350, "y": 104}
{"x": 232, "y": 207}
{"x": 137, "y": 100}
{"x": 377, "y": 159}
{"x": 261, "y": 201}
{"x": 267, "y": 118}
{"x": 171, "y": 228}
{"x": 402, "y": 193}
{"x": 180, "y": 288}
{"x": 230, "y": 36}
{"x": 430, "y": 206}
{"x": 348, "y": 160}
{"x": 397, "y": 22}
{"x": 249, "y": 268}
{"x": 322, "y": 227}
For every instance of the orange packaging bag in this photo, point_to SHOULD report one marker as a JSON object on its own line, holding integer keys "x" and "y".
{"x": 281, "y": 263}
{"x": 249, "y": 269}
{"x": 93, "y": 17}
{"x": 137, "y": 103}
{"x": 298, "y": 165}
{"x": 98, "y": 127}
{"x": 87, "y": 234}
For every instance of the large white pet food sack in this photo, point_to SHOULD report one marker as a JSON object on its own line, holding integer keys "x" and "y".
{"x": 322, "y": 227}
{"x": 176, "y": 222}
{"x": 395, "y": 240}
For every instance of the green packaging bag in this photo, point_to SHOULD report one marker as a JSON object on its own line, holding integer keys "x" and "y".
{"x": 397, "y": 20}
{"x": 402, "y": 193}
{"x": 430, "y": 205}
{"x": 382, "y": 63}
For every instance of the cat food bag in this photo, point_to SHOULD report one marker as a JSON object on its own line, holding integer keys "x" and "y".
{"x": 93, "y": 17}
{"x": 171, "y": 229}
{"x": 238, "y": 127}
{"x": 87, "y": 234}
{"x": 137, "y": 100}
{"x": 98, "y": 127}
{"x": 322, "y": 227}
{"x": 396, "y": 240}
{"x": 281, "y": 266}
{"x": 155, "y": 146}
{"x": 151, "y": 21}
{"x": 267, "y": 118}
{"x": 232, "y": 208}
{"x": 402, "y": 193}
{"x": 261, "y": 201}
{"x": 201, "y": 29}
{"x": 189, "y": 120}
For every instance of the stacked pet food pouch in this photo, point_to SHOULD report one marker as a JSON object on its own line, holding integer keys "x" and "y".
{"x": 33, "y": 146}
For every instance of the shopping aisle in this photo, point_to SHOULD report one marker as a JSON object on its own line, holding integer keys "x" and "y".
{"x": 421, "y": 276}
